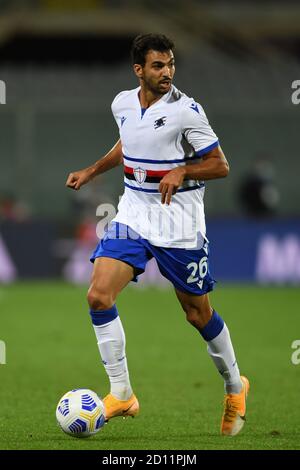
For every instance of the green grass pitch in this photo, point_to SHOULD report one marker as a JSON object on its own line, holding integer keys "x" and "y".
{"x": 51, "y": 348}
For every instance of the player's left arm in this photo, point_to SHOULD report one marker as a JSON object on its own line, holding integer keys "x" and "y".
{"x": 213, "y": 165}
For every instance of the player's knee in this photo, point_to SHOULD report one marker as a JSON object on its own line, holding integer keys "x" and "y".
{"x": 198, "y": 317}
{"x": 192, "y": 316}
{"x": 99, "y": 299}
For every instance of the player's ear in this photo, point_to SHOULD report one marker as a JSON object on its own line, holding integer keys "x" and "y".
{"x": 138, "y": 70}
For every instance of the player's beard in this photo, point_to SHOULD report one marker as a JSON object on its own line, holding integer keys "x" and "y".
{"x": 156, "y": 87}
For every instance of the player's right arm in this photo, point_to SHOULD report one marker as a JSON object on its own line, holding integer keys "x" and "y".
{"x": 112, "y": 159}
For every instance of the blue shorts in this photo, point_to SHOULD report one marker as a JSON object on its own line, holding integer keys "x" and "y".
{"x": 187, "y": 270}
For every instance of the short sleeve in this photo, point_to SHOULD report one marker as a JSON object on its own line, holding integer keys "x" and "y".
{"x": 117, "y": 106}
{"x": 114, "y": 109}
{"x": 197, "y": 130}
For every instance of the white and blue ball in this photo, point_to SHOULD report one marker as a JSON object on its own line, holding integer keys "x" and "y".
{"x": 80, "y": 413}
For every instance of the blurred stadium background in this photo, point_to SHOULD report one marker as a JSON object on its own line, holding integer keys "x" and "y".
{"x": 63, "y": 61}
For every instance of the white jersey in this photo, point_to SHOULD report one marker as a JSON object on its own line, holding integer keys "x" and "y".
{"x": 172, "y": 132}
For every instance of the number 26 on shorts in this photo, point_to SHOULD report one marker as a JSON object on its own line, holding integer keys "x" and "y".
{"x": 198, "y": 270}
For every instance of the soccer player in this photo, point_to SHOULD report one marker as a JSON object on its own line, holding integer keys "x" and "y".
{"x": 168, "y": 149}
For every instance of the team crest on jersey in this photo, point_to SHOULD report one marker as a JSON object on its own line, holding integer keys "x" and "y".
{"x": 160, "y": 122}
{"x": 140, "y": 175}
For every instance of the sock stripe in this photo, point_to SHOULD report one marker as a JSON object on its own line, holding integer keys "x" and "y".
{"x": 100, "y": 317}
{"x": 213, "y": 327}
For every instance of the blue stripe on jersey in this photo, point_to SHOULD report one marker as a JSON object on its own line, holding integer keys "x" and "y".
{"x": 178, "y": 160}
{"x": 207, "y": 149}
{"x": 146, "y": 160}
{"x": 145, "y": 190}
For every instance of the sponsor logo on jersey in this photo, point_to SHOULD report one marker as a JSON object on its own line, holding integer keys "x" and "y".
{"x": 160, "y": 122}
{"x": 123, "y": 119}
{"x": 140, "y": 175}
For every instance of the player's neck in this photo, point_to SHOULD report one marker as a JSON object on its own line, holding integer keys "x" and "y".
{"x": 148, "y": 98}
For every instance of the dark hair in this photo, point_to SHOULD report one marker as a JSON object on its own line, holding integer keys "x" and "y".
{"x": 143, "y": 43}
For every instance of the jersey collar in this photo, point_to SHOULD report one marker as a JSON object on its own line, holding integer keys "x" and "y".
{"x": 164, "y": 98}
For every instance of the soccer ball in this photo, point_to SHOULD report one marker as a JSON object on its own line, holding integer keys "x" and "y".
{"x": 80, "y": 413}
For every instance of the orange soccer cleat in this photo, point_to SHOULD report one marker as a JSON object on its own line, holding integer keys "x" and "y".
{"x": 233, "y": 418}
{"x": 115, "y": 407}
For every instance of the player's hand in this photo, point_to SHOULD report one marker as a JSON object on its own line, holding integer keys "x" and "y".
{"x": 170, "y": 183}
{"x": 78, "y": 178}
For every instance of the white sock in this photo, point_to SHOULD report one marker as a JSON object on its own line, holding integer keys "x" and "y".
{"x": 221, "y": 351}
{"x": 111, "y": 343}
